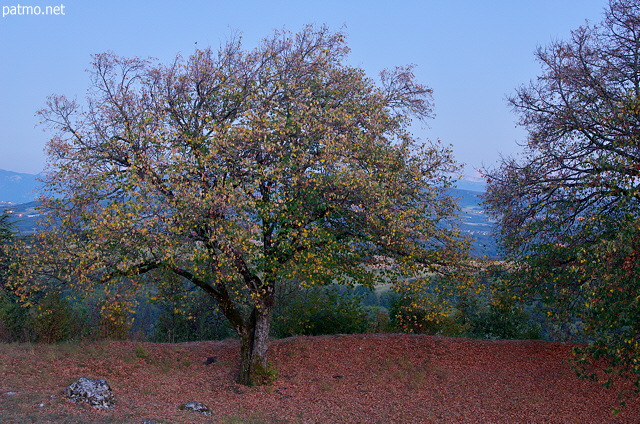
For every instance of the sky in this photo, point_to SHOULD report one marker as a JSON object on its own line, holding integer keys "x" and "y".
{"x": 472, "y": 53}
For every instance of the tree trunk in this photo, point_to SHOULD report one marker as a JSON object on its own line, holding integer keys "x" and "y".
{"x": 254, "y": 346}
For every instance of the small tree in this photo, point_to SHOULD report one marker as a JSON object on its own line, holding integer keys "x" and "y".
{"x": 11, "y": 316}
{"x": 6, "y": 235}
{"x": 568, "y": 209}
{"x": 239, "y": 170}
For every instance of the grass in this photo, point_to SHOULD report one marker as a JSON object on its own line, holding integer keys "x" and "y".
{"x": 141, "y": 352}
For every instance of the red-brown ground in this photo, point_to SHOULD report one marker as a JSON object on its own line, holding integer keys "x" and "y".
{"x": 331, "y": 379}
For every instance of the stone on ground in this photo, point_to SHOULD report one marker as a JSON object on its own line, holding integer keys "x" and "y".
{"x": 96, "y": 393}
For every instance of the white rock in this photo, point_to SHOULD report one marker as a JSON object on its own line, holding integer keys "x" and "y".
{"x": 96, "y": 393}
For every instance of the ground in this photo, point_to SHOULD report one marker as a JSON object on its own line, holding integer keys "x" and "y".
{"x": 386, "y": 378}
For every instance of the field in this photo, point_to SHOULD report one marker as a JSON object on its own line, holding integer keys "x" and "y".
{"x": 328, "y": 379}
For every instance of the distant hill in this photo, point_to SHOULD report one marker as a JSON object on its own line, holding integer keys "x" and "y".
{"x": 471, "y": 183}
{"x": 17, "y": 187}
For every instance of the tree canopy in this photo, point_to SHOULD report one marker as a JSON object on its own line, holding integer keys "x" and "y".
{"x": 568, "y": 208}
{"x": 239, "y": 169}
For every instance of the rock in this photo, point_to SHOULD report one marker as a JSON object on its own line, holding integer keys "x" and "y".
{"x": 195, "y": 407}
{"x": 96, "y": 393}
{"x": 211, "y": 360}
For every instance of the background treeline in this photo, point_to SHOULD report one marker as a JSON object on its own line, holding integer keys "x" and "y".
{"x": 180, "y": 314}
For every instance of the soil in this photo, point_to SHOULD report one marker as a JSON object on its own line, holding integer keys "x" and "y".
{"x": 387, "y": 378}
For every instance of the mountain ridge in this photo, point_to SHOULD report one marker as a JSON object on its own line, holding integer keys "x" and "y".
{"x": 18, "y": 187}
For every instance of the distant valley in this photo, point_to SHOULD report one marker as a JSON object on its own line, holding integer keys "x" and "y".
{"x": 475, "y": 223}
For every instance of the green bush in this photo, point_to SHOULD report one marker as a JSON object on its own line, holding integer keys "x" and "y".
{"x": 493, "y": 312}
{"x": 379, "y": 321}
{"x": 498, "y": 318}
{"x": 188, "y": 317}
{"x": 497, "y": 322}
{"x": 115, "y": 323}
{"x": 409, "y": 316}
{"x": 13, "y": 320}
{"x": 51, "y": 319}
{"x": 86, "y": 320}
{"x": 319, "y": 310}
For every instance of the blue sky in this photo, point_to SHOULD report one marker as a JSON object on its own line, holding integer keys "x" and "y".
{"x": 472, "y": 53}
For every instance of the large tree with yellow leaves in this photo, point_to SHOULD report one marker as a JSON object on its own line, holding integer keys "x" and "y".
{"x": 238, "y": 170}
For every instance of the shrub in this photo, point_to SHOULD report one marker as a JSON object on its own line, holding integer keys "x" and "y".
{"x": 13, "y": 320}
{"x": 379, "y": 321}
{"x": 319, "y": 310}
{"x": 51, "y": 318}
{"x": 423, "y": 317}
{"x": 497, "y": 318}
{"x": 190, "y": 317}
{"x": 115, "y": 320}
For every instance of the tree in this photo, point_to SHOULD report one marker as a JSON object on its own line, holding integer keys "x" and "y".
{"x": 6, "y": 239}
{"x": 6, "y": 235}
{"x": 239, "y": 170}
{"x": 568, "y": 208}
{"x": 12, "y": 316}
